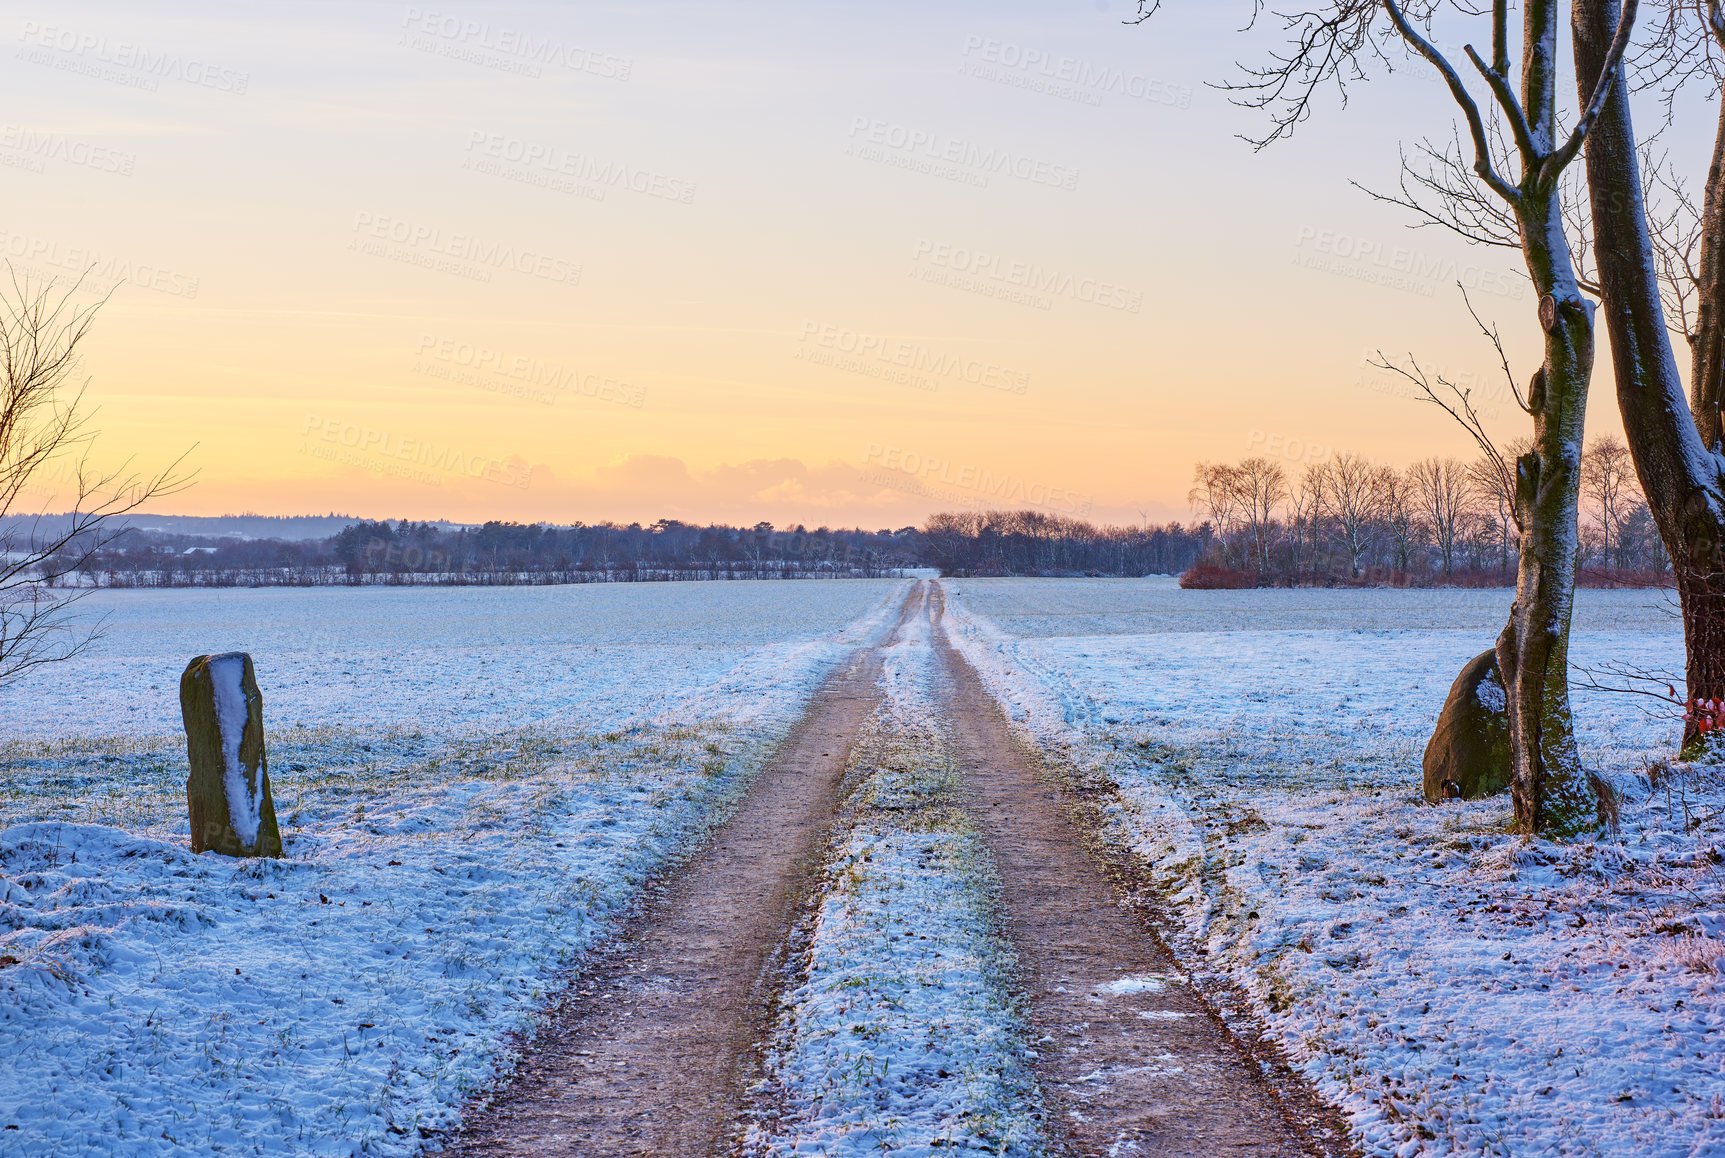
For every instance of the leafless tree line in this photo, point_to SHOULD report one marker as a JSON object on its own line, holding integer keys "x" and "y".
{"x": 1438, "y": 520}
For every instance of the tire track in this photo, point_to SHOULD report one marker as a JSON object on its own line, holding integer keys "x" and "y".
{"x": 1133, "y": 1062}
{"x": 645, "y": 1053}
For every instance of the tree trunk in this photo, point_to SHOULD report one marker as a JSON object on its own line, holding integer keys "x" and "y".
{"x": 1707, "y": 347}
{"x": 1671, "y": 444}
{"x": 1550, "y": 789}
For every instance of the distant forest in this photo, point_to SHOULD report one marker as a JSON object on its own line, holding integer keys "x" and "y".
{"x": 409, "y": 553}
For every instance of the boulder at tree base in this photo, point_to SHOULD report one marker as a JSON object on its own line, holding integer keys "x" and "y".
{"x": 1470, "y": 744}
{"x": 228, "y": 787}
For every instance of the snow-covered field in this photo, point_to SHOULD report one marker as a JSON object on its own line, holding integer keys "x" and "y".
{"x": 1454, "y": 989}
{"x": 902, "y": 1034}
{"x": 472, "y": 785}
{"x": 589, "y": 657}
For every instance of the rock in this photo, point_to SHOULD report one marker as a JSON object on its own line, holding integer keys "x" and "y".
{"x": 1468, "y": 754}
{"x": 228, "y": 788}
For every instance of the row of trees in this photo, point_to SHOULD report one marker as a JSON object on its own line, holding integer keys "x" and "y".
{"x": 1437, "y": 520}
{"x": 971, "y": 543}
{"x": 503, "y": 546}
{"x": 497, "y": 552}
{"x": 1033, "y": 543}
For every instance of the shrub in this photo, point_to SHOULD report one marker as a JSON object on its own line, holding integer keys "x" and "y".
{"x": 1214, "y": 577}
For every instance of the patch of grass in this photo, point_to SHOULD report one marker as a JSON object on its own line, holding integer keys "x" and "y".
{"x": 330, "y": 775}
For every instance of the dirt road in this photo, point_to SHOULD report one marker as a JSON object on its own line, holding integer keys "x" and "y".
{"x": 649, "y": 1052}
{"x": 645, "y": 1053}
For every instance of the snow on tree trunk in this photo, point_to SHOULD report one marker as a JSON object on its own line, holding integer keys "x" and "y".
{"x": 1551, "y": 790}
{"x": 1672, "y": 444}
{"x": 228, "y": 787}
{"x": 1707, "y": 347}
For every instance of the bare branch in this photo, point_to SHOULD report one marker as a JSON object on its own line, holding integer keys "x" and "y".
{"x": 1475, "y": 123}
{"x": 1447, "y": 194}
{"x": 1685, "y": 48}
{"x": 1661, "y": 686}
{"x": 43, "y": 422}
{"x": 1327, "y": 48}
{"x": 1458, "y": 406}
{"x": 1457, "y": 402}
{"x": 1496, "y": 341}
{"x": 1674, "y": 222}
{"x": 1506, "y": 100}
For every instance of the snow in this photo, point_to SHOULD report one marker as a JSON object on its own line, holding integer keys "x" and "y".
{"x": 902, "y": 1033}
{"x": 456, "y": 841}
{"x": 244, "y": 792}
{"x": 1452, "y": 988}
{"x": 590, "y": 656}
{"x": 1363, "y": 676}
{"x": 1490, "y": 693}
{"x": 474, "y": 784}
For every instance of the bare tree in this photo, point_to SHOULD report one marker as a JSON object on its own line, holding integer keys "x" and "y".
{"x": 1499, "y": 507}
{"x": 1306, "y": 510}
{"x": 1260, "y": 487}
{"x": 1519, "y": 154}
{"x": 1442, "y": 488}
{"x": 1216, "y": 493}
{"x": 1401, "y": 509}
{"x": 1550, "y": 788}
{"x": 1606, "y": 475}
{"x": 44, "y": 434}
{"x": 1354, "y": 501}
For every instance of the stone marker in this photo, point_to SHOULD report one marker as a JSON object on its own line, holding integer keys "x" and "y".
{"x": 228, "y": 788}
{"x": 1468, "y": 754}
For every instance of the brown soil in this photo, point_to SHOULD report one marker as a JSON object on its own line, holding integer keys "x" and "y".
{"x": 644, "y": 1054}
{"x": 1132, "y": 1060}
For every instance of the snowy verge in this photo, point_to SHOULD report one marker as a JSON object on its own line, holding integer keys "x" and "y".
{"x": 1450, "y": 987}
{"x": 348, "y": 997}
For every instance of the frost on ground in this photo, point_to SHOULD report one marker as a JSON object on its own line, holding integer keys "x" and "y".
{"x": 589, "y": 657}
{"x": 1452, "y": 988}
{"x": 900, "y": 1034}
{"x": 437, "y": 880}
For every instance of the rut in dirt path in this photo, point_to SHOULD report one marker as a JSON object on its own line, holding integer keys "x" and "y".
{"x": 1132, "y": 1062}
{"x": 647, "y": 1052}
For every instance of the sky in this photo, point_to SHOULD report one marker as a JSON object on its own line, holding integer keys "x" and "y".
{"x": 816, "y": 263}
